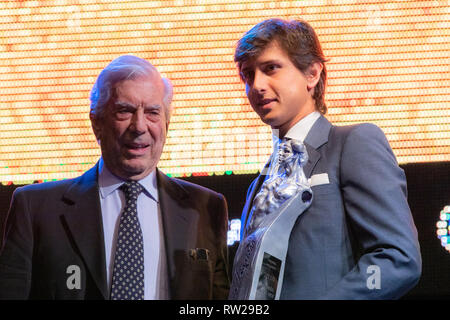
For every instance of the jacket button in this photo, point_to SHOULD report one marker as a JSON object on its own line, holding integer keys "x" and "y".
{"x": 306, "y": 196}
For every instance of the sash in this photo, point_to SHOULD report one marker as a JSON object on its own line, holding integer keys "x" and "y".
{"x": 261, "y": 257}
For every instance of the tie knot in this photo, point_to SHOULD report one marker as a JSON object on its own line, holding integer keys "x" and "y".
{"x": 132, "y": 189}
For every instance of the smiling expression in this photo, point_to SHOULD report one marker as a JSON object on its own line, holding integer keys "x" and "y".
{"x": 133, "y": 129}
{"x": 278, "y": 92}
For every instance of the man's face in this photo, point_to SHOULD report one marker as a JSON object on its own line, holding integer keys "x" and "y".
{"x": 133, "y": 130}
{"x": 276, "y": 89}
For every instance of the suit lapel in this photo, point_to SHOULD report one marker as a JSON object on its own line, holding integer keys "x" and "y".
{"x": 317, "y": 136}
{"x": 178, "y": 223}
{"x": 313, "y": 158}
{"x": 85, "y": 224}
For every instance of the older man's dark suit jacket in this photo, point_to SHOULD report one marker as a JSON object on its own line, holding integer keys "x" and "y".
{"x": 357, "y": 222}
{"x": 51, "y": 226}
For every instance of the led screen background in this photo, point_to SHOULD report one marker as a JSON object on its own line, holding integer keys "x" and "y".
{"x": 389, "y": 64}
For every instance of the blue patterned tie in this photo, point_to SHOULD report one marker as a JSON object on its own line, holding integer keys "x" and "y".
{"x": 128, "y": 274}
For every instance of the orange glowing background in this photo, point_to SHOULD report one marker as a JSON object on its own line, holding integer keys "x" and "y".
{"x": 389, "y": 64}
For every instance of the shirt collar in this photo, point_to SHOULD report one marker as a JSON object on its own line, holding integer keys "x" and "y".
{"x": 298, "y": 131}
{"x": 108, "y": 182}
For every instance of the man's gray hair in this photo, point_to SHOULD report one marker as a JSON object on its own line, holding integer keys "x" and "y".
{"x": 123, "y": 68}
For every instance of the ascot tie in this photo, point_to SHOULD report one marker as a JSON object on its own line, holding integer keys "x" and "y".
{"x": 286, "y": 178}
{"x": 128, "y": 274}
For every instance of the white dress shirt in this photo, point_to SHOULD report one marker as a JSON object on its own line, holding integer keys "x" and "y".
{"x": 112, "y": 201}
{"x": 298, "y": 131}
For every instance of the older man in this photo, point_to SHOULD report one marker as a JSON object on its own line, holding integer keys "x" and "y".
{"x": 122, "y": 230}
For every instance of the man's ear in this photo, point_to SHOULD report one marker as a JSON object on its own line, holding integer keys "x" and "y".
{"x": 313, "y": 74}
{"x": 96, "y": 127}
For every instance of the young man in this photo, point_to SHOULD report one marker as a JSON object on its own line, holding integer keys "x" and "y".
{"x": 357, "y": 239}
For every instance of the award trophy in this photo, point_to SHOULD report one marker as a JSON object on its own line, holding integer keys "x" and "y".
{"x": 261, "y": 257}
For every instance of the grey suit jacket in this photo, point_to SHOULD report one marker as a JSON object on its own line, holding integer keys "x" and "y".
{"x": 52, "y": 226}
{"x": 359, "y": 226}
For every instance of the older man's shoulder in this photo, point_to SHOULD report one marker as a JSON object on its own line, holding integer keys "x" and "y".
{"x": 194, "y": 189}
{"x": 45, "y": 188}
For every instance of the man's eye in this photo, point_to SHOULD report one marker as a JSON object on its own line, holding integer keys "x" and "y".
{"x": 153, "y": 115}
{"x": 123, "y": 113}
{"x": 271, "y": 67}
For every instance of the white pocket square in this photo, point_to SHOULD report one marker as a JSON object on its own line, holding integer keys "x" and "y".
{"x": 318, "y": 179}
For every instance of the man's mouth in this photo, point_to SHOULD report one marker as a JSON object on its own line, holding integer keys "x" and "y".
{"x": 264, "y": 102}
{"x": 137, "y": 148}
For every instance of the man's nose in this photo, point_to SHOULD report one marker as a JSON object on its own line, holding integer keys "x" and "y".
{"x": 138, "y": 123}
{"x": 259, "y": 82}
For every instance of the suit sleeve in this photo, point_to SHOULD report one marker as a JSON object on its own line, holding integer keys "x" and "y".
{"x": 221, "y": 284}
{"x": 375, "y": 199}
{"x": 16, "y": 251}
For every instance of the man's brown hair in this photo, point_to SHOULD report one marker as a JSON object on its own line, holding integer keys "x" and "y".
{"x": 297, "y": 38}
